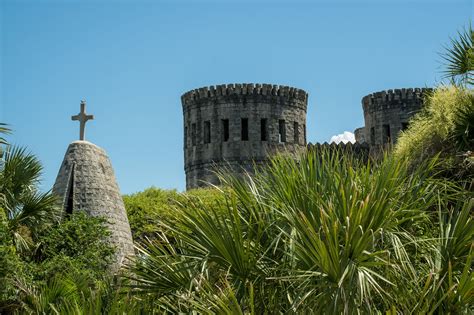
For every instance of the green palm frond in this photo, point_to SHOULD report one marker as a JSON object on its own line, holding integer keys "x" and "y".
{"x": 5, "y": 131}
{"x": 52, "y": 297}
{"x": 159, "y": 269}
{"x": 28, "y": 210}
{"x": 20, "y": 174}
{"x": 459, "y": 58}
{"x": 463, "y": 133}
{"x": 35, "y": 212}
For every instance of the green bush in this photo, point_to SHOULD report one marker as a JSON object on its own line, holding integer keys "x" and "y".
{"x": 69, "y": 257}
{"x": 444, "y": 127}
{"x": 79, "y": 244}
{"x": 11, "y": 268}
{"x": 147, "y": 210}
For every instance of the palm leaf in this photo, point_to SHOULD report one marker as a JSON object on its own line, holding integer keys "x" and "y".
{"x": 459, "y": 57}
{"x": 4, "y": 130}
{"x": 28, "y": 211}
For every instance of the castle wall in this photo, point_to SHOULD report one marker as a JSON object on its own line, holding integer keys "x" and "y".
{"x": 386, "y": 113}
{"x": 216, "y": 135}
{"x": 359, "y": 135}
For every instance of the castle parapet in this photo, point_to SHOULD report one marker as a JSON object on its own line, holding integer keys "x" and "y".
{"x": 237, "y": 126}
{"x": 397, "y": 97}
{"x": 387, "y": 113}
{"x": 273, "y": 92}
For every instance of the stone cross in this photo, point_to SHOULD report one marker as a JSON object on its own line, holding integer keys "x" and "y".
{"x": 83, "y": 118}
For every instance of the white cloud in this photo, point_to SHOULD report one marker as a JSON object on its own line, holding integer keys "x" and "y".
{"x": 343, "y": 137}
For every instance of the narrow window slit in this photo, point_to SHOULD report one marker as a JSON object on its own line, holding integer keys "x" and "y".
{"x": 386, "y": 133}
{"x": 225, "y": 130}
{"x": 263, "y": 129}
{"x": 281, "y": 131}
{"x": 296, "y": 133}
{"x": 185, "y": 136}
{"x": 207, "y": 132}
{"x": 304, "y": 134}
{"x": 245, "y": 129}
{"x": 193, "y": 134}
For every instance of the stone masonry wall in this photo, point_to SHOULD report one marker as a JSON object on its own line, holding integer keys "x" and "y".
{"x": 209, "y": 146}
{"x": 86, "y": 182}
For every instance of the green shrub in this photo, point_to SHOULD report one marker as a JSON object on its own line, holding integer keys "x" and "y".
{"x": 70, "y": 259}
{"x": 444, "y": 127}
{"x": 11, "y": 268}
{"x": 78, "y": 245}
{"x": 147, "y": 210}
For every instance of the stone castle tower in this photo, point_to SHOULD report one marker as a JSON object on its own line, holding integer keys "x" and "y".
{"x": 239, "y": 125}
{"x": 386, "y": 113}
{"x": 86, "y": 182}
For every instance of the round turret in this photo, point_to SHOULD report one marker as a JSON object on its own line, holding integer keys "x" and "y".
{"x": 386, "y": 113}
{"x": 238, "y": 126}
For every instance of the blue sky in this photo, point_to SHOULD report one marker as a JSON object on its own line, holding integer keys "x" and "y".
{"x": 132, "y": 60}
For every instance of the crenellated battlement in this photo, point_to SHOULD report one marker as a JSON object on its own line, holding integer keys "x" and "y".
{"x": 389, "y": 98}
{"x": 241, "y": 124}
{"x": 387, "y": 113}
{"x": 243, "y": 89}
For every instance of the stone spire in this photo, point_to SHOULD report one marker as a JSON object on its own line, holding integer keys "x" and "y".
{"x": 86, "y": 182}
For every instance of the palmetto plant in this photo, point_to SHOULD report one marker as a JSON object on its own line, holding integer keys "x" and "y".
{"x": 327, "y": 234}
{"x": 463, "y": 133}
{"x": 27, "y": 209}
{"x": 4, "y": 130}
{"x": 459, "y": 58}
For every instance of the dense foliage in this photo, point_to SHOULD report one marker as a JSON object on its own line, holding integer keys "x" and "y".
{"x": 148, "y": 208}
{"x": 444, "y": 127}
{"x": 328, "y": 233}
{"x": 77, "y": 245}
{"x": 40, "y": 252}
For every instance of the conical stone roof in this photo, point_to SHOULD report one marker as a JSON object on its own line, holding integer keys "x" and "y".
{"x": 86, "y": 182}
